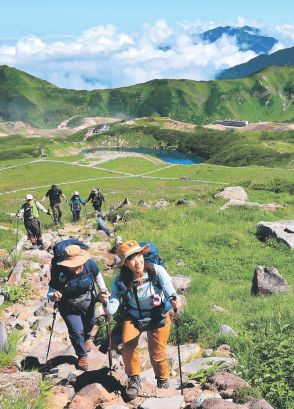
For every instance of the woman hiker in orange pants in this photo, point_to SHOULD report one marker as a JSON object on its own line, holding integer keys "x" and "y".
{"x": 146, "y": 291}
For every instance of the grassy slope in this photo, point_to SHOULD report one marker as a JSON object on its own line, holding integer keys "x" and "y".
{"x": 219, "y": 250}
{"x": 263, "y": 96}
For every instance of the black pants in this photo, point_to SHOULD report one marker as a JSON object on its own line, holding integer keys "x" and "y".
{"x": 33, "y": 229}
{"x": 97, "y": 206}
{"x": 57, "y": 212}
{"x": 76, "y": 214}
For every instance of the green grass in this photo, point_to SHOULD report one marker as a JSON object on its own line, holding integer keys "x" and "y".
{"x": 220, "y": 249}
{"x": 8, "y": 354}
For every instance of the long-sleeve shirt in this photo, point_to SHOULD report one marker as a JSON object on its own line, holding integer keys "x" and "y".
{"x": 76, "y": 202}
{"x": 145, "y": 292}
{"x": 71, "y": 285}
{"x": 31, "y": 211}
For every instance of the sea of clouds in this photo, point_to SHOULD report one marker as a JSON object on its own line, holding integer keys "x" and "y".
{"x": 105, "y": 57}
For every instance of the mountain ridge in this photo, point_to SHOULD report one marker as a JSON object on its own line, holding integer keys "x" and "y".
{"x": 279, "y": 58}
{"x": 267, "y": 95}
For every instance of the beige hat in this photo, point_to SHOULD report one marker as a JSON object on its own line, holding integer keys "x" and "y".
{"x": 128, "y": 248}
{"x": 29, "y": 197}
{"x": 74, "y": 256}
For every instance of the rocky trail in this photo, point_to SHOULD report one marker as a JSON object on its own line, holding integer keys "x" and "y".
{"x": 98, "y": 387}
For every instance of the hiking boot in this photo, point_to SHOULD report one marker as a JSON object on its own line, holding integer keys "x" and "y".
{"x": 133, "y": 386}
{"x": 83, "y": 363}
{"x": 89, "y": 345}
{"x": 162, "y": 384}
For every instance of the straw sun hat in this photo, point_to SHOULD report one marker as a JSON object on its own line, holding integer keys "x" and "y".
{"x": 74, "y": 256}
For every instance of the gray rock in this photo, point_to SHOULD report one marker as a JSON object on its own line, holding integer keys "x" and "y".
{"x": 17, "y": 248}
{"x": 142, "y": 203}
{"x": 267, "y": 280}
{"x": 3, "y": 335}
{"x": 160, "y": 204}
{"x": 40, "y": 254}
{"x": 226, "y": 330}
{"x": 202, "y": 397}
{"x": 226, "y": 383}
{"x": 204, "y": 363}
{"x": 185, "y": 202}
{"x": 117, "y": 407}
{"x": 16, "y": 273}
{"x": 18, "y": 382}
{"x": 181, "y": 283}
{"x": 270, "y": 207}
{"x": 180, "y": 263}
{"x": 217, "y": 308}
{"x": 281, "y": 230}
{"x": 2, "y": 299}
{"x": 125, "y": 202}
{"x": 232, "y": 192}
{"x": 173, "y": 402}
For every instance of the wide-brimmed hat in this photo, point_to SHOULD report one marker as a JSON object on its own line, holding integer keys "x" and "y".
{"x": 29, "y": 197}
{"x": 128, "y": 248}
{"x": 74, "y": 256}
{"x": 76, "y": 193}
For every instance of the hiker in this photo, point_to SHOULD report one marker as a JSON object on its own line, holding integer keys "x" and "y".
{"x": 76, "y": 203}
{"x": 73, "y": 279}
{"x": 101, "y": 225}
{"x": 96, "y": 198}
{"x": 146, "y": 291}
{"x": 54, "y": 195}
{"x": 30, "y": 213}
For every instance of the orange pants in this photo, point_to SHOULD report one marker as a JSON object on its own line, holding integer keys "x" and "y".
{"x": 157, "y": 341}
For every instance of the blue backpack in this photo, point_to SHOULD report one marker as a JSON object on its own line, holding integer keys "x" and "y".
{"x": 153, "y": 256}
{"x": 59, "y": 247}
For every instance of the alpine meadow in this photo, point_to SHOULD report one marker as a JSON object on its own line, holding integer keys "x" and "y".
{"x": 50, "y": 135}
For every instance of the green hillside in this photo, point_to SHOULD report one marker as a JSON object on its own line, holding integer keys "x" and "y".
{"x": 279, "y": 58}
{"x": 265, "y": 96}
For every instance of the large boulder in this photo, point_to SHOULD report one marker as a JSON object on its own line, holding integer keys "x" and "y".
{"x": 281, "y": 230}
{"x": 17, "y": 383}
{"x": 267, "y": 280}
{"x": 3, "y": 336}
{"x": 232, "y": 193}
{"x": 181, "y": 283}
{"x": 226, "y": 383}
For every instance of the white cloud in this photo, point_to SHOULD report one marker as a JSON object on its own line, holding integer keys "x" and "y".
{"x": 103, "y": 57}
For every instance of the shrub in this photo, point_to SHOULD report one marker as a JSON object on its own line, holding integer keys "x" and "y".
{"x": 267, "y": 360}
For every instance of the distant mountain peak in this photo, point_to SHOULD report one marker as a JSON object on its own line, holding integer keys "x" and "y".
{"x": 247, "y": 38}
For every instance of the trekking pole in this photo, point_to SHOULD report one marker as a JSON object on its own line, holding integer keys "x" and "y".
{"x": 108, "y": 333}
{"x": 55, "y": 307}
{"x": 177, "y": 324}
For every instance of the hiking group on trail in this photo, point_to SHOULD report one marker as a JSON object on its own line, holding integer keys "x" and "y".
{"x": 142, "y": 292}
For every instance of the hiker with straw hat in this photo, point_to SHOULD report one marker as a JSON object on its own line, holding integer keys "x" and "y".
{"x": 146, "y": 291}
{"x": 72, "y": 286}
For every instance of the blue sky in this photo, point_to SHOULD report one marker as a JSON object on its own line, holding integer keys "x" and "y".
{"x": 50, "y": 18}
{"x": 90, "y": 44}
